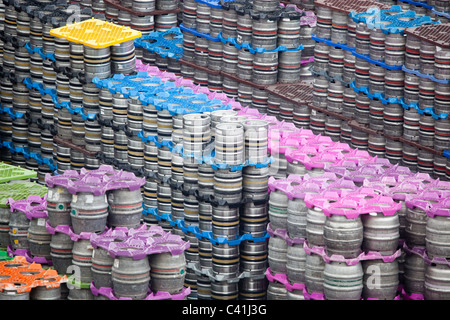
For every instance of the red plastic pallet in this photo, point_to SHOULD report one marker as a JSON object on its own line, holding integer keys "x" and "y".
{"x": 437, "y": 34}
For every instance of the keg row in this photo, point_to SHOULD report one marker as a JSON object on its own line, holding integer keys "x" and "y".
{"x": 400, "y": 89}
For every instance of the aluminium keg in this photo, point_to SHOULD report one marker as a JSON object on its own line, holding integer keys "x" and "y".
{"x": 130, "y": 277}
{"x": 264, "y": 33}
{"x": 342, "y": 281}
{"x": 277, "y": 255}
{"x": 89, "y": 212}
{"x": 39, "y": 238}
{"x": 314, "y": 273}
{"x": 436, "y": 282}
{"x": 427, "y": 53}
{"x": 381, "y": 279}
{"x": 82, "y": 259}
{"x": 225, "y": 260}
{"x": 343, "y": 236}
{"x": 296, "y": 263}
{"x": 167, "y": 272}
{"x": 380, "y": 233}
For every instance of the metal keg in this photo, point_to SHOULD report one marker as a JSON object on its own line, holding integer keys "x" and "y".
{"x": 225, "y": 222}
{"x": 265, "y": 5}
{"x": 143, "y": 6}
{"x": 301, "y": 116}
{"x": 123, "y": 58}
{"x": 441, "y": 61}
{"x": 102, "y": 263}
{"x": 12, "y": 293}
{"x": 393, "y": 120}
{"x": 436, "y": 236}
{"x": 336, "y": 62}
{"x": 395, "y": 48}
{"x": 264, "y": 33}
{"x": 381, "y": 279}
{"x": 130, "y": 277}
{"x": 338, "y": 27}
{"x": 409, "y": 156}
{"x": 144, "y": 24}
{"x": 203, "y": 287}
{"x": 256, "y": 140}
{"x": 362, "y": 108}
{"x": 314, "y": 273}
{"x": 203, "y": 12}
{"x": 394, "y": 83}
{"x": 296, "y": 218}
{"x": 377, "y": 146}
{"x": 289, "y": 66}
{"x": 411, "y": 124}
{"x": 39, "y": 238}
{"x": 277, "y": 255}
{"x": 296, "y": 263}
{"x": 414, "y": 274}
{"x": 230, "y": 87}
{"x": 18, "y": 230}
{"x": 381, "y": 233}
{"x": 376, "y": 110}
{"x": 425, "y": 161}
{"x": 348, "y": 102}
{"x": 215, "y": 21}
{"x": 97, "y": 62}
{"x": 245, "y": 93}
{"x": 167, "y": 272}
{"x": 189, "y": 13}
{"x": 289, "y": 31}
{"x": 441, "y": 134}
{"x": 201, "y": 53}
{"x": 394, "y": 150}
{"x": 265, "y": 68}
{"x": 82, "y": 259}
{"x": 164, "y": 22}
{"x": 412, "y": 52}
{"x": 320, "y": 92}
{"x": 362, "y": 69}
{"x": 436, "y": 282}
{"x": 125, "y": 208}
{"x": 254, "y": 256}
{"x": 362, "y": 38}
{"x": 229, "y": 24}
{"x": 439, "y": 164}
{"x": 278, "y": 205}
{"x": 441, "y": 98}
{"x": 259, "y": 100}
{"x": 376, "y": 78}
{"x": 348, "y": 74}
{"x": 224, "y": 290}
{"x": 276, "y": 291}
{"x": 225, "y": 260}
{"x": 343, "y": 281}
{"x": 43, "y": 292}
{"x": 426, "y": 130}
{"x": 89, "y": 212}
{"x": 343, "y": 236}
{"x": 229, "y": 143}
{"x": 324, "y": 22}
{"x": 253, "y": 289}
{"x": 244, "y": 25}
{"x": 321, "y": 57}
{"x": 205, "y": 253}
{"x": 215, "y": 55}
{"x": 427, "y": 53}
{"x": 359, "y": 139}
{"x": 254, "y": 216}
{"x": 377, "y": 44}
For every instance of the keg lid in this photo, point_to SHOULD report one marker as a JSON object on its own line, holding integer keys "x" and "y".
{"x": 286, "y": 184}
{"x": 313, "y": 200}
{"x": 342, "y": 167}
{"x": 423, "y": 200}
{"x": 382, "y": 184}
{"x": 89, "y": 184}
{"x": 442, "y": 208}
{"x": 131, "y": 247}
{"x": 59, "y": 228}
{"x": 111, "y": 235}
{"x": 63, "y": 180}
{"x": 363, "y": 173}
{"x": 358, "y": 156}
{"x": 144, "y": 232}
{"x": 405, "y": 188}
{"x": 341, "y": 186}
{"x": 124, "y": 180}
{"x": 168, "y": 242}
{"x": 25, "y": 205}
{"x": 308, "y": 186}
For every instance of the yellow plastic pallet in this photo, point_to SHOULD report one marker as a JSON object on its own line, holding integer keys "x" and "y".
{"x": 96, "y": 33}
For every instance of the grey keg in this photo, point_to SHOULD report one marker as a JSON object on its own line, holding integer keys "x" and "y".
{"x": 381, "y": 279}
{"x": 130, "y": 277}
{"x": 343, "y": 281}
{"x": 167, "y": 272}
